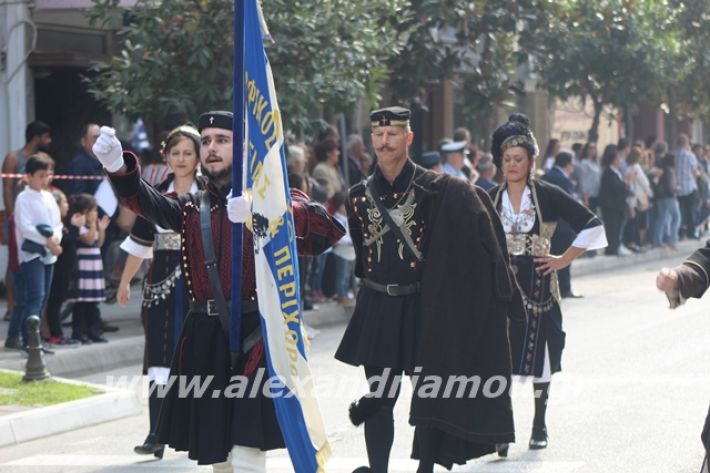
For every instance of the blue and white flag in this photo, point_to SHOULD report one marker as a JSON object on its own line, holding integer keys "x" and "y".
{"x": 276, "y": 259}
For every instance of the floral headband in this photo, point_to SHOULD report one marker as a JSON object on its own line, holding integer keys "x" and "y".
{"x": 521, "y": 140}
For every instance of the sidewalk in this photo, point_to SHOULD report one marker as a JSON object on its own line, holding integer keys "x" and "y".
{"x": 126, "y": 346}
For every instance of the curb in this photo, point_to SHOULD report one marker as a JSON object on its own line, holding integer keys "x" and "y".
{"x": 101, "y": 357}
{"x": 87, "y": 359}
{"x": 586, "y": 266}
{"x": 45, "y": 421}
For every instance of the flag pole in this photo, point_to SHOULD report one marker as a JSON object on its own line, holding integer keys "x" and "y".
{"x": 237, "y": 170}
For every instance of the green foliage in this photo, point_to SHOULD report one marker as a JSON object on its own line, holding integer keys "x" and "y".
{"x": 478, "y": 43}
{"x": 177, "y": 55}
{"x": 328, "y": 54}
{"x": 616, "y": 52}
{"x": 692, "y": 64}
{"x": 39, "y": 393}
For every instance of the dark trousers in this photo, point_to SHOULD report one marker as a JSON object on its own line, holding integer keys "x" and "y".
{"x": 85, "y": 319}
{"x": 613, "y": 220}
{"x": 57, "y": 294}
{"x": 688, "y": 212}
{"x": 36, "y": 277}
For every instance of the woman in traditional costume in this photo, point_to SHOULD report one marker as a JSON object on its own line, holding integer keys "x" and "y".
{"x": 530, "y": 210}
{"x": 165, "y": 302}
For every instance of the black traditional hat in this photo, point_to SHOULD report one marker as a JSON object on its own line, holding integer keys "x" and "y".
{"x": 215, "y": 119}
{"x": 515, "y": 132}
{"x": 390, "y": 116}
{"x": 430, "y": 159}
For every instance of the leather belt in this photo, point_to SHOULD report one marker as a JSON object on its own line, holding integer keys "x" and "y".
{"x": 209, "y": 307}
{"x": 394, "y": 290}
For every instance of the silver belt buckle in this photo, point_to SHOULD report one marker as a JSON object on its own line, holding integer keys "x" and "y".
{"x": 389, "y": 287}
{"x": 212, "y": 308}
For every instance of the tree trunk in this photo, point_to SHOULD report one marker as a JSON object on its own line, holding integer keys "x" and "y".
{"x": 673, "y": 118}
{"x": 594, "y": 130}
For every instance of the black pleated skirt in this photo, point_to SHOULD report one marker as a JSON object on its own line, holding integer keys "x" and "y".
{"x": 208, "y": 425}
{"x": 382, "y": 332}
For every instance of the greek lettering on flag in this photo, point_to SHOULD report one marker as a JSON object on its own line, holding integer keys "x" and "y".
{"x": 276, "y": 260}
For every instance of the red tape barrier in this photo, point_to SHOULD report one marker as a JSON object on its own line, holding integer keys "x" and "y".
{"x": 54, "y": 177}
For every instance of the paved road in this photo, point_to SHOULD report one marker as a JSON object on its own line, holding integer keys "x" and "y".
{"x": 632, "y": 398}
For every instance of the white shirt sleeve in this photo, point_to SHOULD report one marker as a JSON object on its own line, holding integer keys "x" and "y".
{"x": 591, "y": 238}
{"x": 131, "y": 247}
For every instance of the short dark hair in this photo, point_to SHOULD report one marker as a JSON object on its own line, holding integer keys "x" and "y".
{"x": 623, "y": 143}
{"x": 36, "y": 129}
{"x": 327, "y": 132}
{"x": 81, "y": 203}
{"x": 461, "y": 134}
{"x": 650, "y": 139}
{"x": 563, "y": 158}
{"x": 577, "y": 147}
{"x": 323, "y": 148}
{"x": 610, "y": 154}
{"x": 295, "y": 180}
{"x": 85, "y": 129}
{"x": 551, "y": 146}
{"x": 36, "y": 163}
{"x": 339, "y": 198}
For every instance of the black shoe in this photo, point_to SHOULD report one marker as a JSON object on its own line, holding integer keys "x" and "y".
{"x": 571, "y": 295}
{"x": 13, "y": 344}
{"x": 502, "y": 449}
{"x": 155, "y": 449}
{"x": 104, "y": 327}
{"x": 98, "y": 339}
{"x": 538, "y": 439}
{"x": 362, "y": 469}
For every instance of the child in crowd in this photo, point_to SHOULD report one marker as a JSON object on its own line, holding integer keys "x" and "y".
{"x": 38, "y": 226}
{"x": 89, "y": 280}
{"x": 74, "y": 218}
{"x": 344, "y": 254}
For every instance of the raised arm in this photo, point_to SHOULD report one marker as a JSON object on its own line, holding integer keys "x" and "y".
{"x": 124, "y": 173}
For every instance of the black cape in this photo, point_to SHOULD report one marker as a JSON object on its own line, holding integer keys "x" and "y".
{"x": 468, "y": 295}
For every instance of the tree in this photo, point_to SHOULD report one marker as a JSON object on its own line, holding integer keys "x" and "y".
{"x": 176, "y": 55}
{"x": 611, "y": 52}
{"x": 692, "y": 64}
{"x": 477, "y": 43}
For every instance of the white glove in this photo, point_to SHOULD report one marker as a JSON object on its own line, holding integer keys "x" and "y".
{"x": 238, "y": 208}
{"x": 107, "y": 150}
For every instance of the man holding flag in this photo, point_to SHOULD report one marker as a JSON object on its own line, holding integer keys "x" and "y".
{"x": 205, "y": 426}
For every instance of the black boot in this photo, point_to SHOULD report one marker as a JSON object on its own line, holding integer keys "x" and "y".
{"x": 150, "y": 445}
{"x": 538, "y": 439}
